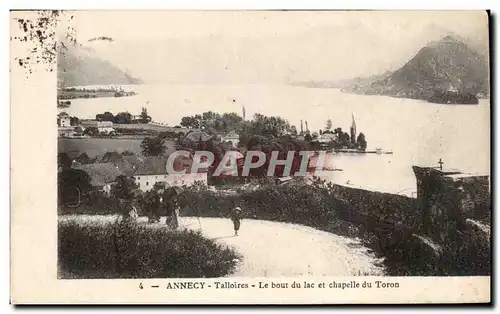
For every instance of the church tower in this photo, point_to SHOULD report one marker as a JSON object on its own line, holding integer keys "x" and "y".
{"x": 353, "y": 130}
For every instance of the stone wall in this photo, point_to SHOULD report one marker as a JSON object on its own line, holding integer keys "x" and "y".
{"x": 377, "y": 208}
{"x": 444, "y": 231}
{"x": 447, "y": 198}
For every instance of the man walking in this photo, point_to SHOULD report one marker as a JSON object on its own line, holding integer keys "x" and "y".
{"x": 236, "y": 216}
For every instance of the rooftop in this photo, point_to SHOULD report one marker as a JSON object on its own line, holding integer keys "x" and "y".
{"x": 197, "y": 136}
{"x": 128, "y": 164}
{"x": 100, "y": 173}
{"x": 152, "y": 165}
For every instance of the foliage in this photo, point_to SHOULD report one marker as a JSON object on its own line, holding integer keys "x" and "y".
{"x": 94, "y": 203}
{"x": 106, "y": 116}
{"x": 83, "y": 158}
{"x": 170, "y": 135}
{"x": 91, "y": 131}
{"x": 74, "y": 121}
{"x": 125, "y": 249}
{"x": 361, "y": 141}
{"x": 123, "y": 187}
{"x": 63, "y": 161}
{"x": 127, "y": 153}
{"x": 144, "y": 115}
{"x": 71, "y": 184}
{"x": 150, "y": 203}
{"x": 123, "y": 118}
{"x": 153, "y": 146}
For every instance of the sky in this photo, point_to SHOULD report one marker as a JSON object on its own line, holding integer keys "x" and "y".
{"x": 267, "y": 46}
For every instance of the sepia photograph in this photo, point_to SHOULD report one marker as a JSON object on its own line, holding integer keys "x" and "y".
{"x": 264, "y": 144}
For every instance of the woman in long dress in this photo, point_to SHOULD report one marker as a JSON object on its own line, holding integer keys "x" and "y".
{"x": 173, "y": 213}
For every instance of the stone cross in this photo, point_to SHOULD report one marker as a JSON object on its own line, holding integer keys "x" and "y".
{"x": 440, "y": 162}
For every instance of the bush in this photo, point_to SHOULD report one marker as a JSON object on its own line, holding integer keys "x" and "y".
{"x": 127, "y": 249}
{"x": 94, "y": 202}
{"x": 308, "y": 205}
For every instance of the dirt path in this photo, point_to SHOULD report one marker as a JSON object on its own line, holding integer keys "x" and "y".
{"x": 279, "y": 249}
{"x": 275, "y": 249}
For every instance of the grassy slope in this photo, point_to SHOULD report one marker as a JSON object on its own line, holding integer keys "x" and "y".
{"x": 99, "y": 146}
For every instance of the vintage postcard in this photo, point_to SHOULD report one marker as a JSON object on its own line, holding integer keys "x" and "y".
{"x": 250, "y": 157}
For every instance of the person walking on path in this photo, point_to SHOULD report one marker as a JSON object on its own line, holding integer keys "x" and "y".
{"x": 173, "y": 213}
{"x": 236, "y": 216}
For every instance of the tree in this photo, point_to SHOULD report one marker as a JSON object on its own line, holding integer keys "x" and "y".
{"x": 191, "y": 122}
{"x": 153, "y": 146}
{"x": 144, "y": 115}
{"x": 91, "y": 131}
{"x": 63, "y": 161}
{"x": 74, "y": 121}
{"x": 361, "y": 142}
{"x": 83, "y": 158}
{"x": 150, "y": 202}
{"x": 123, "y": 118}
{"x": 123, "y": 187}
{"x": 328, "y": 126}
{"x": 106, "y": 116}
{"x": 344, "y": 139}
{"x": 71, "y": 184}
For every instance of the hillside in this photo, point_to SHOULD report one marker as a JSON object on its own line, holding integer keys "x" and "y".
{"x": 80, "y": 66}
{"x": 443, "y": 64}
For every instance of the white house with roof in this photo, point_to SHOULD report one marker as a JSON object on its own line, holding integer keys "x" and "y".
{"x": 64, "y": 128}
{"x": 231, "y": 137}
{"x": 63, "y": 120}
{"x": 153, "y": 170}
{"x": 102, "y": 126}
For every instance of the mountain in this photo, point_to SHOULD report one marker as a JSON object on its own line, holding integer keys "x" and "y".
{"x": 80, "y": 66}
{"x": 441, "y": 65}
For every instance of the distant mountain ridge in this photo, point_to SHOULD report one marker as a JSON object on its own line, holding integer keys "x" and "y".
{"x": 81, "y": 66}
{"x": 441, "y": 65}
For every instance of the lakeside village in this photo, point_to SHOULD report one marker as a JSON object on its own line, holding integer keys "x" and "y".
{"x": 445, "y": 230}
{"x": 210, "y": 131}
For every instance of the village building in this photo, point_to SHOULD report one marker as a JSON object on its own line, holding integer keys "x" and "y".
{"x": 105, "y": 127}
{"x": 64, "y": 128}
{"x": 197, "y": 136}
{"x": 102, "y": 175}
{"x": 63, "y": 120}
{"x": 136, "y": 118}
{"x": 153, "y": 170}
{"x": 231, "y": 137}
{"x": 128, "y": 164}
{"x": 327, "y": 137}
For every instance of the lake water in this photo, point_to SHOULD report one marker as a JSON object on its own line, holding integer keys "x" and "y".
{"x": 419, "y": 133}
